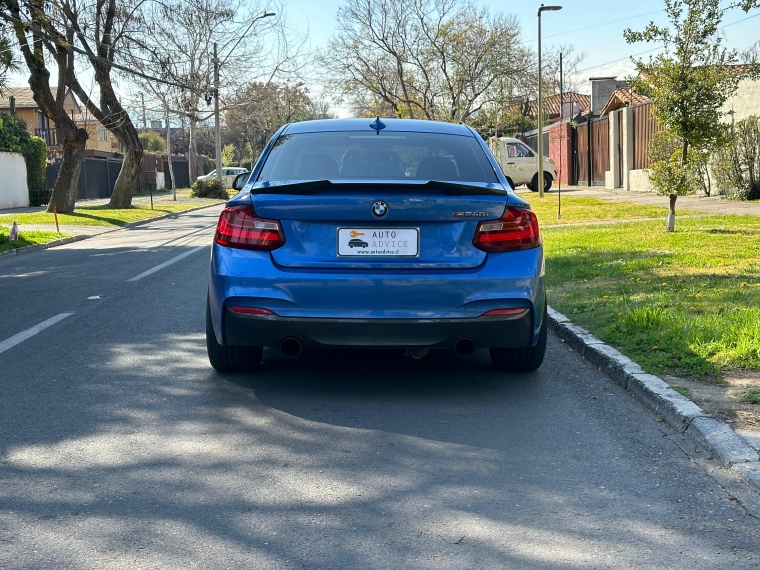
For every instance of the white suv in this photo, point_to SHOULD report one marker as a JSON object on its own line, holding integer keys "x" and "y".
{"x": 228, "y": 175}
{"x": 520, "y": 164}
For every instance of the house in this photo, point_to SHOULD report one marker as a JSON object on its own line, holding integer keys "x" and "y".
{"x": 573, "y": 104}
{"x": 38, "y": 124}
{"x": 624, "y": 97}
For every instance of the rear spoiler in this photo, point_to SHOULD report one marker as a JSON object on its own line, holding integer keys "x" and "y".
{"x": 326, "y": 186}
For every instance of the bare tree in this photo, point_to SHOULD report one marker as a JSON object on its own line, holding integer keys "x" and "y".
{"x": 431, "y": 59}
{"x": 99, "y": 28}
{"x": 177, "y": 41}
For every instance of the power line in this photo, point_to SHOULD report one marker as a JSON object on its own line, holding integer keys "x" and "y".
{"x": 659, "y": 47}
{"x": 594, "y": 26}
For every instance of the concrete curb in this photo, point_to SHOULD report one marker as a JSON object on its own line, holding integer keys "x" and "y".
{"x": 106, "y": 230}
{"x": 677, "y": 411}
{"x": 39, "y": 246}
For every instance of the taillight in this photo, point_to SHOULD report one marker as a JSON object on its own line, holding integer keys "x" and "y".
{"x": 239, "y": 227}
{"x": 252, "y": 310}
{"x": 504, "y": 312}
{"x": 516, "y": 229}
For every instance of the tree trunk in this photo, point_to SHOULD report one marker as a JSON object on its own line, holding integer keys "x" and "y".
{"x": 192, "y": 153}
{"x": 66, "y": 185}
{"x": 128, "y": 180}
{"x": 672, "y": 215}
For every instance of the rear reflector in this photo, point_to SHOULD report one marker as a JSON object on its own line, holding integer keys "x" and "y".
{"x": 502, "y": 312}
{"x": 239, "y": 227}
{"x": 517, "y": 229}
{"x": 252, "y": 311}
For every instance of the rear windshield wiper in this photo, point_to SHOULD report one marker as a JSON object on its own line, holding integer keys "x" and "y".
{"x": 324, "y": 186}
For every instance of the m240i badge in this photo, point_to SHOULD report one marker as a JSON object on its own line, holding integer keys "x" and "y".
{"x": 469, "y": 215}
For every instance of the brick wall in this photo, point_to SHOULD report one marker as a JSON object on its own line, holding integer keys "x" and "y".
{"x": 560, "y": 150}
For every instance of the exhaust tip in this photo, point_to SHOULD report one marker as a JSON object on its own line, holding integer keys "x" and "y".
{"x": 465, "y": 347}
{"x": 291, "y": 347}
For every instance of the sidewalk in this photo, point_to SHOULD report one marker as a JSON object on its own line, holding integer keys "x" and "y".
{"x": 84, "y": 230}
{"x": 711, "y": 204}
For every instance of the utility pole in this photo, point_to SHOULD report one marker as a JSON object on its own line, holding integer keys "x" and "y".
{"x": 540, "y": 174}
{"x": 217, "y": 124}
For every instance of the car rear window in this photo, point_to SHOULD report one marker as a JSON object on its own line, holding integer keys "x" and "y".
{"x": 371, "y": 156}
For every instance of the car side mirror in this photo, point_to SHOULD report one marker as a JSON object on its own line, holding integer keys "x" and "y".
{"x": 240, "y": 181}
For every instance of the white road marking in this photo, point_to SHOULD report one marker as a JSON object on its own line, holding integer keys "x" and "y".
{"x": 23, "y": 335}
{"x": 166, "y": 263}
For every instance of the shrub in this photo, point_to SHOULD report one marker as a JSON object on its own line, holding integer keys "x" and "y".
{"x": 737, "y": 164}
{"x": 40, "y": 196}
{"x": 35, "y": 156}
{"x": 211, "y": 188}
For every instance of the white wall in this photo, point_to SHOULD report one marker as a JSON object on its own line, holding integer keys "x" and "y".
{"x": 745, "y": 102}
{"x": 13, "y": 190}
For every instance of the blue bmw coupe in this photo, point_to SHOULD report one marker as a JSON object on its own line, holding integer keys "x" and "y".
{"x": 390, "y": 233}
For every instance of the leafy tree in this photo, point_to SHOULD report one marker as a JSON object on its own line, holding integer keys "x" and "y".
{"x": 152, "y": 142}
{"x": 228, "y": 154}
{"x": 688, "y": 84}
{"x": 6, "y": 61}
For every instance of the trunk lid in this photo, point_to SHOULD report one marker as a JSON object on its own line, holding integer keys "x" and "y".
{"x": 333, "y": 226}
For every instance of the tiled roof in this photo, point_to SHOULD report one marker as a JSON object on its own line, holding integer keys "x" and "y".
{"x": 551, "y": 103}
{"x": 623, "y": 98}
{"x": 23, "y": 95}
{"x": 25, "y": 98}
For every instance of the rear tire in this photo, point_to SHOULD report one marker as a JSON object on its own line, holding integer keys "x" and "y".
{"x": 521, "y": 359}
{"x": 230, "y": 358}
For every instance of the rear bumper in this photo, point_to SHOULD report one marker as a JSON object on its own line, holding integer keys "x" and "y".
{"x": 269, "y": 330}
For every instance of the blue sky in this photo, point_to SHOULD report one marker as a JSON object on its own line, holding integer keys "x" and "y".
{"x": 594, "y": 27}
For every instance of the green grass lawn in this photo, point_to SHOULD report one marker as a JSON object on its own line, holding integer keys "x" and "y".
{"x": 27, "y": 238}
{"x": 582, "y": 210}
{"x": 101, "y": 215}
{"x": 686, "y": 302}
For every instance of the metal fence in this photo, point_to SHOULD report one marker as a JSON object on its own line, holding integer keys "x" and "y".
{"x": 181, "y": 172}
{"x": 97, "y": 177}
{"x": 531, "y": 139}
{"x": 644, "y": 126}
{"x": 591, "y": 152}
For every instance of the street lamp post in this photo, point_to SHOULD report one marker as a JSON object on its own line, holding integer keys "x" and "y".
{"x": 540, "y": 175}
{"x": 217, "y": 122}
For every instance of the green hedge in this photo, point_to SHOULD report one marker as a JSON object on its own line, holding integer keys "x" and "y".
{"x": 35, "y": 155}
{"x": 210, "y": 188}
{"x": 15, "y": 138}
{"x": 40, "y": 196}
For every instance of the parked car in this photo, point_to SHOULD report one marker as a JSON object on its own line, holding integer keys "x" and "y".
{"x": 453, "y": 258}
{"x": 229, "y": 173}
{"x": 520, "y": 164}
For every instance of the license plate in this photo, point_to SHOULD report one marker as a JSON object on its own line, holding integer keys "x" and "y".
{"x": 378, "y": 242}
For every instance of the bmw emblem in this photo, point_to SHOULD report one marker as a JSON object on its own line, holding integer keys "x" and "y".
{"x": 379, "y": 209}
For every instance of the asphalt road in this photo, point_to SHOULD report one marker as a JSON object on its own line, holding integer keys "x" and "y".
{"x": 121, "y": 448}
